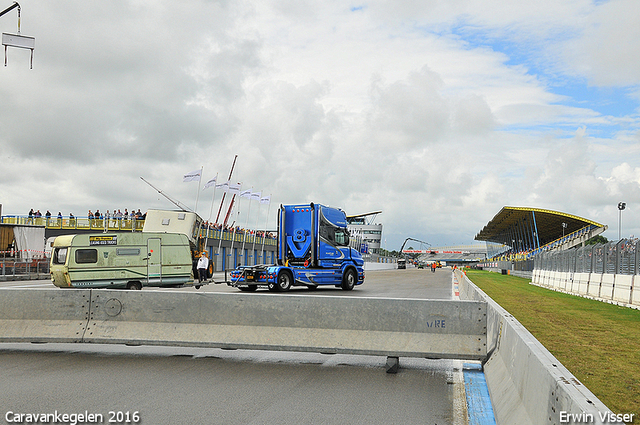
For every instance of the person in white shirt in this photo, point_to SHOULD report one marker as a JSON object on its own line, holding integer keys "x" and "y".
{"x": 203, "y": 265}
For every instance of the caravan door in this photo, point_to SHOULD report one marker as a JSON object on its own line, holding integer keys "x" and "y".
{"x": 154, "y": 262}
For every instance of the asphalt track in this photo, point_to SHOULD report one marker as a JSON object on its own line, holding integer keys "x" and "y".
{"x": 169, "y": 385}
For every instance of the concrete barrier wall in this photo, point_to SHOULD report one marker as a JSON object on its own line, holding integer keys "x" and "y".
{"x": 43, "y": 316}
{"x": 622, "y": 288}
{"x": 581, "y": 283}
{"x": 350, "y": 325}
{"x": 616, "y": 288}
{"x": 527, "y": 384}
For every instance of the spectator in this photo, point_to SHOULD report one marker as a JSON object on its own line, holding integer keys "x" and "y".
{"x": 203, "y": 265}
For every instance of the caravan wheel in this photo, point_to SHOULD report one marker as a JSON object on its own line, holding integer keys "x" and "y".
{"x": 136, "y": 286}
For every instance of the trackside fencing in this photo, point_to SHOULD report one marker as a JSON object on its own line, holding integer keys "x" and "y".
{"x": 608, "y": 272}
{"x": 325, "y": 324}
{"x": 24, "y": 269}
{"x": 527, "y": 384}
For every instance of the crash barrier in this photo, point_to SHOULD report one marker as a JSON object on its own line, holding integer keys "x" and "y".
{"x": 608, "y": 272}
{"x": 24, "y": 269}
{"x": 527, "y": 384}
{"x": 325, "y": 324}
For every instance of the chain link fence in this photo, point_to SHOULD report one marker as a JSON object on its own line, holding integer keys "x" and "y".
{"x": 620, "y": 257}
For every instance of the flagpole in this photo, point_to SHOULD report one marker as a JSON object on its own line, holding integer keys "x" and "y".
{"x": 233, "y": 238}
{"x": 253, "y": 246}
{"x": 224, "y": 194}
{"x": 215, "y": 180}
{"x": 198, "y": 190}
{"x": 265, "y": 230}
{"x": 244, "y": 237}
{"x": 225, "y": 189}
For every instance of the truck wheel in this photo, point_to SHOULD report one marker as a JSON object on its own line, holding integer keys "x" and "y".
{"x": 285, "y": 280}
{"x": 136, "y": 286}
{"x": 349, "y": 280}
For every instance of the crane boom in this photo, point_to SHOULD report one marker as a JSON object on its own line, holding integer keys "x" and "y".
{"x": 176, "y": 203}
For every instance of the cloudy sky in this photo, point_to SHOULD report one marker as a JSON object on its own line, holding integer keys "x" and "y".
{"x": 436, "y": 112}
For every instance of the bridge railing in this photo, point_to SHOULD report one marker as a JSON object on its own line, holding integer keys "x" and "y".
{"x": 76, "y": 223}
{"x": 131, "y": 225}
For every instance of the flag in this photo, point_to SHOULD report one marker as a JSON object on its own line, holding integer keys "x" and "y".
{"x": 192, "y": 176}
{"x": 224, "y": 186}
{"x": 210, "y": 183}
{"x": 265, "y": 200}
{"x": 234, "y": 188}
{"x": 256, "y": 196}
{"x": 245, "y": 193}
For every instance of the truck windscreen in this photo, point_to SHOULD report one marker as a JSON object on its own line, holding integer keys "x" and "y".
{"x": 334, "y": 235}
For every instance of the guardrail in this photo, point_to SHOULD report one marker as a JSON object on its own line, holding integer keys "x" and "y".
{"x": 23, "y": 268}
{"x": 607, "y": 272}
{"x": 128, "y": 225}
{"x": 348, "y": 325}
{"x": 527, "y": 384}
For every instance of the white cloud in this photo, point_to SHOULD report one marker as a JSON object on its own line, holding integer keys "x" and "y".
{"x": 438, "y": 113}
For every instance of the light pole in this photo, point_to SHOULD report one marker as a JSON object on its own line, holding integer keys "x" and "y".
{"x": 564, "y": 226}
{"x": 621, "y": 206}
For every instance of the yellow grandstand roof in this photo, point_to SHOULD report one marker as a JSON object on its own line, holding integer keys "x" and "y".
{"x": 535, "y": 226}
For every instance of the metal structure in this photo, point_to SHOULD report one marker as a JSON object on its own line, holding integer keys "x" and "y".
{"x": 622, "y": 257}
{"x": 402, "y": 251}
{"x": 621, "y": 206}
{"x": 17, "y": 40}
{"x": 533, "y": 230}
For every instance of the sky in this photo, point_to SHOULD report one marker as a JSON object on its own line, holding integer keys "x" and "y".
{"x": 436, "y": 112}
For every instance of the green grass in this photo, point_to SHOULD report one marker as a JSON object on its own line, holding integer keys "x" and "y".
{"x": 598, "y": 342}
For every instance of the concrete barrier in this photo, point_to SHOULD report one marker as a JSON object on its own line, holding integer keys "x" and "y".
{"x": 581, "y": 283}
{"x": 51, "y": 315}
{"x": 622, "y": 288}
{"x": 635, "y": 293}
{"x": 606, "y": 286}
{"x": 326, "y": 324}
{"x": 527, "y": 384}
{"x": 594, "y": 284}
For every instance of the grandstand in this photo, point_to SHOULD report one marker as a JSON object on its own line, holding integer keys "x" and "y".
{"x": 460, "y": 254}
{"x": 519, "y": 233}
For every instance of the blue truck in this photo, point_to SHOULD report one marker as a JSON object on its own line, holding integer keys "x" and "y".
{"x": 314, "y": 249}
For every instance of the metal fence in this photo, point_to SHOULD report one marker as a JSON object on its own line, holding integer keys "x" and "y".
{"x": 620, "y": 257}
{"x": 131, "y": 225}
{"x": 23, "y": 269}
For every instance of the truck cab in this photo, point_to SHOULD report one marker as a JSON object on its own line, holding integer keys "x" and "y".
{"x": 314, "y": 248}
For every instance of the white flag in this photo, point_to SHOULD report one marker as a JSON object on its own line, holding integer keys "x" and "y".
{"x": 265, "y": 200}
{"x": 234, "y": 188}
{"x": 224, "y": 186}
{"x": 245, "y": 193}
{"x": 192, "y": 176}
{"x": 256, "y": 196}
{"x": 210, "y": 183}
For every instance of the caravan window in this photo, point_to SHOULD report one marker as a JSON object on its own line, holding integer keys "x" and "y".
{"x": 86, "y": 256}
{"x": 128, "y": 251}
{"x": 59, "y": 255}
